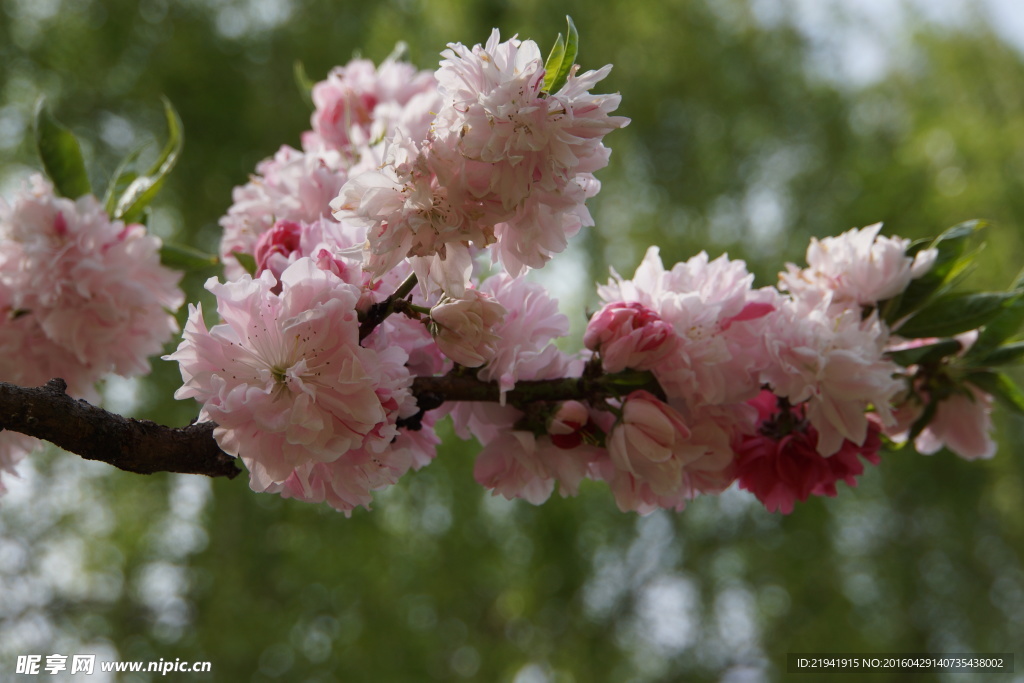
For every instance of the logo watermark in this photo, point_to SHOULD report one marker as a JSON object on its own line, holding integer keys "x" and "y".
{"x": 40, "y": 665}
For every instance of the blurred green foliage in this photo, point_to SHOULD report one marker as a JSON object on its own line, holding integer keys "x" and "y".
{"x": 742, "y": 139}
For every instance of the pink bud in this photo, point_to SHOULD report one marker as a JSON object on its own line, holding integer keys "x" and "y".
{"x": 275, "y": 245}
{"x": 650, "y": 442}
{"x": 630, "y": 335}
{"x": 566, "y": 425}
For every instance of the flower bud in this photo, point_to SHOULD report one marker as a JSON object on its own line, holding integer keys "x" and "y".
{"x": 650, "y": 442}
{"x": 630, "y": 335}
{"x": 274, "y": 247}
{"x": 566, "y": 426}
{"x": 463, "y": 328}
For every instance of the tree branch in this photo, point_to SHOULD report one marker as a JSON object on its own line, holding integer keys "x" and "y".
{"x": 379, "y": 311}
{"x": 140, "y": 446}
{"x": 593, "y": 386}
{"x": 145, "y": 447}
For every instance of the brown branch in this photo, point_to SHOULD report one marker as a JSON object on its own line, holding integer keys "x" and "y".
{"x": 593, "y": 386}
{"x": 140, "y": 446}
{"x": 144, "y": 447}
{"x": 380, "y": 311}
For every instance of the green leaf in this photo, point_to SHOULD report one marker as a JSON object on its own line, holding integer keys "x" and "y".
{"x": 246, "y": 261}
{"x": 929, "y": 353}
{"x": 304, "y": 82}
{"x": 950, "y": 263}
{"x": 122, "y": 178}
{"x": 997, "y": 331}
{"x": 1008, "y": 353}
{"x": 952, "y": 314}
{"x": 181, "y": 257}
{"x": 561, "y": 59}
{"x": 141, "y": 191}
{"x": 61, "y": 154}
{"x": 1004, "y": 389}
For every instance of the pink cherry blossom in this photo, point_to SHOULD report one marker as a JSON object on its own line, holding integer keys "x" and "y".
{"x": 332, "y": 246}
{"x": 531, "y": 322}
{"x": 832, "y": 357}
{"x": 963, "y": 424}
{"x": 284, "y": 376}
{"x": 524, "y": 148}
{"x": 659, "y": 457}
{"x": 292, "y": 186}
{"x": 359, "y": 103}
{"x": 350, "y": 480}
{"x": 413, "y": 207}
{"x": 517, "y": 463}
{"x": 858, "y": 267}
{"x": 93, "y": 287}
{"x": 718, "y": 318}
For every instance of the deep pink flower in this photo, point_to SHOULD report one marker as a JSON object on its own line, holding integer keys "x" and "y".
{"x": 274, "y": 247}
{"x": 780, "y": 464}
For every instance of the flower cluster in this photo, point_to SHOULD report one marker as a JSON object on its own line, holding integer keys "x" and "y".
{"x": 404, "y": 173}
{"x": 330, "y": 366}
{"x": 81, "y": 296}
{"x": 504, "y": 163}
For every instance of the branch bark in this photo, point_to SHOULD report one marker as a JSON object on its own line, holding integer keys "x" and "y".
{"x": 145, "y": 447}
{"x": 140, "y": 446}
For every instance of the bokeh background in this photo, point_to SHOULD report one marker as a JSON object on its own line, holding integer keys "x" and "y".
{"x": 755, "y": 124}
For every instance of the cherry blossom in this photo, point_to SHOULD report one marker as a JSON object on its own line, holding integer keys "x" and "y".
{"x": 284, "y": 376}
{"x": 781, "y": 463}
{"x": 858, "y": 267}
{"x": 94, "y": 287}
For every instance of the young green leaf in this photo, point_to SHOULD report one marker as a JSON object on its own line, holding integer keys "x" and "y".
{"x": 304, "y": 82}
{"x": 181, "y": 257}
{"x": 61, "y": 154}
{"x": 122, "y": 178}
{"x": 561, "y": 59}
{"x": 142, "y": 189}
